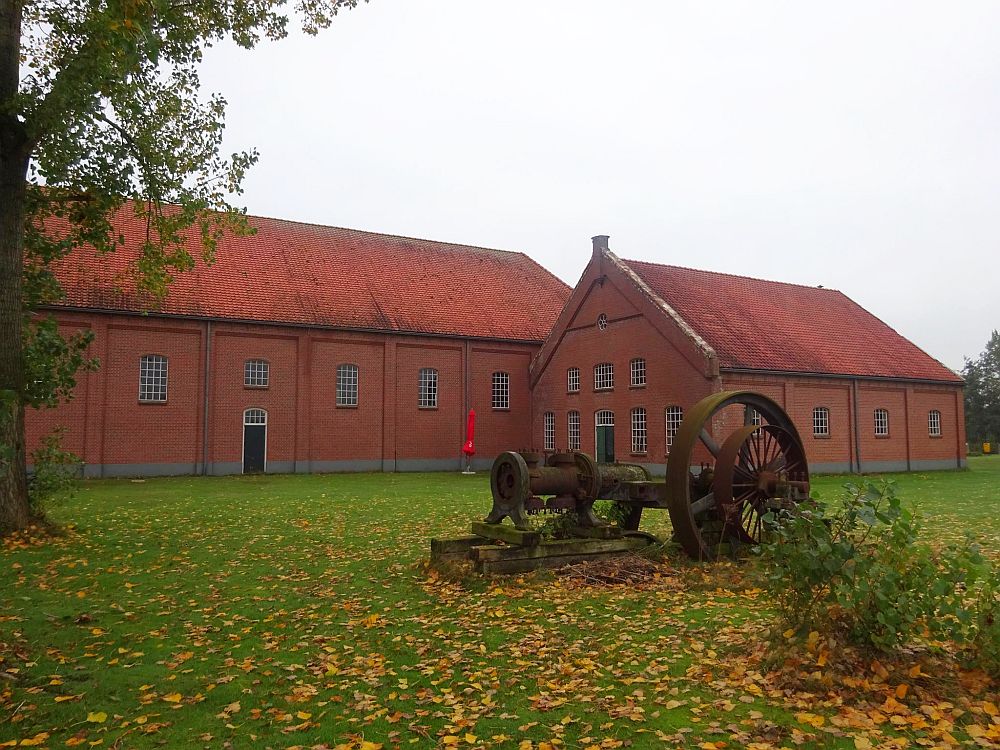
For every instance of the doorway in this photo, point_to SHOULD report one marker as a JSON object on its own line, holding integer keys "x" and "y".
{"x": 604, "y": 438}
{"x": 254, "y": 441}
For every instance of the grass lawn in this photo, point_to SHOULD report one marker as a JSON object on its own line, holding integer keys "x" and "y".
{"x": 282, "y": 611}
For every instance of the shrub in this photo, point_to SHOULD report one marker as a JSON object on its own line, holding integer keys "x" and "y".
{"x": 611, "y": 511}
{"x": 859, "y": 568}
{"x": 54, "y": 473}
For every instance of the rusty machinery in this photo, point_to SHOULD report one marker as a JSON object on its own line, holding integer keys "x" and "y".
{"x": 759, "y": 466}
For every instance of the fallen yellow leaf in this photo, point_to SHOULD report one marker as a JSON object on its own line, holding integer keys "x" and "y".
{"x": 172, "y": 698}
{"x": 38, "y": 739}
{"x": 97, "y": 717}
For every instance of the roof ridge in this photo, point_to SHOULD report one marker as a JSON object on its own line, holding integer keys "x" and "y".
{"x": 392, "y": 236}
{"x": 735, "y": 275}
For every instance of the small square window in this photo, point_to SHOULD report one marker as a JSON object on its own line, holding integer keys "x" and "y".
{"x": 256, "y": 373}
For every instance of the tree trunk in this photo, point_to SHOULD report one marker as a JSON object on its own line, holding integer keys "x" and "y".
{"x": 14, "y": 156}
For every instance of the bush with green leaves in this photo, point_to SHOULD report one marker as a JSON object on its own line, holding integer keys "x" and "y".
{"x": 859, "y": 568}
{"x": 611, "y": 511}
{"x": 54, "y": 473}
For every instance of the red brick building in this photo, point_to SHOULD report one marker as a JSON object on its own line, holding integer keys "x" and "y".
{"x": 303, "y": 348}
{"x": 307, "y": 348}
{"x": 639, "y": 343}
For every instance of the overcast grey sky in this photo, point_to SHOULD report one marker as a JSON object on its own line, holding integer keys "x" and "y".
{"x": 853, "y": 144}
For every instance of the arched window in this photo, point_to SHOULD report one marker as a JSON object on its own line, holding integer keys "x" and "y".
{"x": 881, "y": 423}
{"x": 152, "y": 378}
{"x": 428, "y": 397}
{"x": 821, "y": 422}
{"x": 934, "y": 423}
{"x": 549, "y": 431}
{"x": 604, "y": 376}
{"x": 640, "y": 440}
{"x": 637, "y": 367}
{"x": 573, "y": 431}
{"x": 256, "y": 373}
{"x": 573, "y": 380}
{"x": 501, "y": 390}
{"x": 254, "y": 416}
{"x": 347, "y": 385}
{"x": 675, "y": 415}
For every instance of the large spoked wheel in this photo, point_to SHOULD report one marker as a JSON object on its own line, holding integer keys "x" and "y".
{"x": 510, "y": 485}
{"x": 713, "y": 506}
{"x": 758, "y": 469}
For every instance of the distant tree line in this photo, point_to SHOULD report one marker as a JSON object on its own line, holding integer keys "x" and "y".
{"x": 982, "y": 395}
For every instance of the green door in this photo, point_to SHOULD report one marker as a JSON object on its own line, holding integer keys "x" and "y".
{"x": 605, "y": 444}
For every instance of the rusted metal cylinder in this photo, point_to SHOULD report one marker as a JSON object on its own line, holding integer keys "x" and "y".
{"x": 557, "y": 477}
{"x": 612, "y": 475}
{"x": 571, "y": 481}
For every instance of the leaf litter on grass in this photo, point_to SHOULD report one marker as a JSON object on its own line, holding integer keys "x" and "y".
{"x": 293, "y": 611}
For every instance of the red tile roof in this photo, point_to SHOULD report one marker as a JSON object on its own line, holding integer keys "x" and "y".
{"x": 769, "y": 325}
{"x": 289, "y": 272}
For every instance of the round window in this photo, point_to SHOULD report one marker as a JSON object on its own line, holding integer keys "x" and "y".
{"x": 602, "y": 321}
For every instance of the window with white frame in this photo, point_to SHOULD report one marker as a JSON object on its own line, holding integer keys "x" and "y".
{"x": 501, "y": 390}
{"x": 675, "y": 415}
{"x": 604, "y": 418}
{"x": 640, "y": 440}
{"x": 934, "y": 423}
{"x": 881, "y": 422}
{"x": 428, "y": 398}
{"x": 152, "y": 378}
{"x": 573, "y": 431}
{"x": 573, "y": 379}
{"x": 347, "y": 385}
{"x": 638, "y": 369}
{"x": 821, "y": 422}
{"x": 549, "y": 430}
{"x": 755, "y": 419}
{"x": 604, "y": 376}
{"x": 255, "y": 416}
{"x": 256, "y": 373}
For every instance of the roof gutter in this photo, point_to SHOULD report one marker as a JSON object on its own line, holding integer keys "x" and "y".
{"x": 841, "y": 376}
{"x": 279, "y": 323}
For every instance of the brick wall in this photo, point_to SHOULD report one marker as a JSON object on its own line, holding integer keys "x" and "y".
{"x": 115, "y": 434}
{"x": 671, "y": 376}
{"x": 908, "y": 444}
